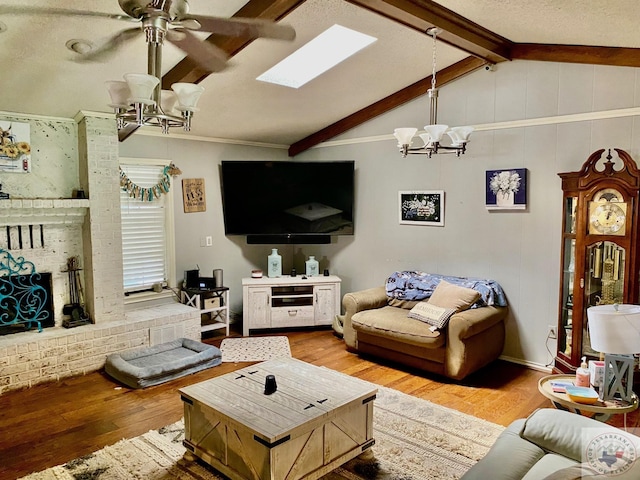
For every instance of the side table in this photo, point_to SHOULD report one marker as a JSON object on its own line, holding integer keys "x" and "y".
{"x": 601, "y": 411}
{"x": 211, "y": 301}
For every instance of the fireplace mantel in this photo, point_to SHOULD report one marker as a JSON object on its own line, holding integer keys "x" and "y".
{"x": 45, "y": 211}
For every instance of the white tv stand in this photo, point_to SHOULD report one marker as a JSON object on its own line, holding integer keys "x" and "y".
{"x": 289, "y": 302}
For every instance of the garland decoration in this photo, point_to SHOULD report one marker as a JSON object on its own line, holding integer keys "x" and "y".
{"x": 149, "y": 193}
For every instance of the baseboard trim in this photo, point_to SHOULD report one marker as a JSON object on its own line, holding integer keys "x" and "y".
{"x": 526, "y": 363}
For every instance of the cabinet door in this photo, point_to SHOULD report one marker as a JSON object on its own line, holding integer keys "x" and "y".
{"x": 258, "y": 307}
{"x": 325, "y": 303}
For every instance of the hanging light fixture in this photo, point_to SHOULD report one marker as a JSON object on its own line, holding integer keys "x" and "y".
{"x": 139, "y": 100}
{"x": 434, "y": 132}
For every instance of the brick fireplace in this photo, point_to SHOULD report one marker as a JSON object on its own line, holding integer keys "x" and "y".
{"x": 87, "y": 228}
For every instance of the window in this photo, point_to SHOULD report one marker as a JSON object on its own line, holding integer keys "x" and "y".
{"x": 147, "y": 230}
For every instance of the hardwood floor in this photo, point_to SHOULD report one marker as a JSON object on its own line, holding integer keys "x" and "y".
{"x": 51, "y": 424}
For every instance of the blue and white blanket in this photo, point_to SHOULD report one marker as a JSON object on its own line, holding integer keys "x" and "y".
{"x": 411, "y": 285}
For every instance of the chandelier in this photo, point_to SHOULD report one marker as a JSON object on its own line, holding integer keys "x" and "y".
{"x": 434, "y": 132}
{"x": 139, "y": 99}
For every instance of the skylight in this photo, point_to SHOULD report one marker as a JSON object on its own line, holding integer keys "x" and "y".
{"x": 328, "y": 49}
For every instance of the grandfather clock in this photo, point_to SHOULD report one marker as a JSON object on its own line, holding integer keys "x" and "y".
{"x": 600, "y": 256}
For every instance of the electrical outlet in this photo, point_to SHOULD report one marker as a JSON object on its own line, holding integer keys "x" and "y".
{"x": 552, "y": 331}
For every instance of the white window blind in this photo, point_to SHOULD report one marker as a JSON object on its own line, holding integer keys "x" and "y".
{"x": 144, "y": 242}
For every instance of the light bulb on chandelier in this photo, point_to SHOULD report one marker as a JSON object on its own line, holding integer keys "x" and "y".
{"x": 434, "y": 132}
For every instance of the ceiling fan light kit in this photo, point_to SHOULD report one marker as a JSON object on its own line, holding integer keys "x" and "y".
{"x": 434, "y": 132}
{"x": 134, "y": 100}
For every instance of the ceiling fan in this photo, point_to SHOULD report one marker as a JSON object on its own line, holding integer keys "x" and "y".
{"x": 139, "y": 100}
{"x": 170, "y": 20}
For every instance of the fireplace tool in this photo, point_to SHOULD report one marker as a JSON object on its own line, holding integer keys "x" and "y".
{"x": 75, "y": 307}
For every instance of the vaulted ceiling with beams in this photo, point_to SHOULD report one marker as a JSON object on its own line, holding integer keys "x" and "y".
{"x": 41, "y": 76}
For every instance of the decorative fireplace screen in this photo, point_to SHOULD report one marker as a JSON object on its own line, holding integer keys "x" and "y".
{"x": 25, "y": 296}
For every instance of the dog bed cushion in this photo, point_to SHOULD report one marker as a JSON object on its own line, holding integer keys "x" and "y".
{"x": 158, "y": 364}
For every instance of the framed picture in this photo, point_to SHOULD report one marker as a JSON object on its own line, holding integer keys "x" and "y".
{"x": 15, "y": 147}
{"x": 193, "y": 196}
{"x": 422, "y": 207}
{"x": 506, "y": 189}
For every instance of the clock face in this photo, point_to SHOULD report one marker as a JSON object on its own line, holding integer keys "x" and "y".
{"x": 607, "y": 218}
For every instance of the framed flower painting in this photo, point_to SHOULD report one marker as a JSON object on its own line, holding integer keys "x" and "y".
{"x": 15, "y": 147}
{"x": 506, "y": 189}
{"x": 422, "y": 208}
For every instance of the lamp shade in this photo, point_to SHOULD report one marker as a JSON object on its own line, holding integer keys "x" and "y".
{"x": 404, "y": 135}
{"x": 461, "y": 134}
{"x": 188, "y": 95}
{"x": 141, "y": 86}
{"x": 615, "y": 328}
{"x": 119, "y": 93}
{"x": 168, "y": 101}
{"x": 436, "y": 131}
{"x": 426, "y": 139}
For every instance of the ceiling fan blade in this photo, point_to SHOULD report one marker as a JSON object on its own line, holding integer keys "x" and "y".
{"x": 26, "y": 10}
{"x": 107, "y": 49}
{"x": 207, "y": 56}
{"x": 243, "y": 27}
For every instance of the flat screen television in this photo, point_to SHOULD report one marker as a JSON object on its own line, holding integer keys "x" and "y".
{"x": 288, "y": 201}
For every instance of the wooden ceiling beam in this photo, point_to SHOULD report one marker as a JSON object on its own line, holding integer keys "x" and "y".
{"x": 458, "y": 31}
{"x": 417, "y": 89}
{"x": 616, "y": 56}
{"x": 187, "y": 70}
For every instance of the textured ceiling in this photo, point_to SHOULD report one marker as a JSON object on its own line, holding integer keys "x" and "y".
{"x": 39, "y": 75}
{"x": 571, "y": 22}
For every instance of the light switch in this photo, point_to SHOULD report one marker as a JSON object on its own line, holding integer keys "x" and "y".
{"x": 209, "y": 241}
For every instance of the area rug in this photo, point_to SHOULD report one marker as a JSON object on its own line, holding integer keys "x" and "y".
{"x": 415, "y": 440}
{"x": 254, "y": 349}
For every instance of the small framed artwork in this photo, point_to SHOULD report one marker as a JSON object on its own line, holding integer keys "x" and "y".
{"x": 422, "y": 207}
{"x": 506, "y": 189}
{"x": 193, "y": 195}
{"x": 15, "y": 147}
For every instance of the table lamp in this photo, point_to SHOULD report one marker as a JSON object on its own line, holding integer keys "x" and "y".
{"x": 615, "y": 331}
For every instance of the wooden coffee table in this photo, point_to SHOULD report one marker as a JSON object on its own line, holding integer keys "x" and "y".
{"x": 600, "y": 410}
{"x": 317, "y": 420}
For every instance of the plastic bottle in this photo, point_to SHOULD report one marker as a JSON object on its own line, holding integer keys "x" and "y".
{"x": 582, "y": 374}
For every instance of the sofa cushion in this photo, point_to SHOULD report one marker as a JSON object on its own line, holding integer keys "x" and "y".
{"x": 510, "y": 457}
{"x": 406, "y": 304}
{"x": 437, "y": 317}
{"x": 447, "y": 295}
{"x": 393, "y": 322}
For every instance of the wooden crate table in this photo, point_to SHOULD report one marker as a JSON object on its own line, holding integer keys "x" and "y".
{"x": 317, "y": 420}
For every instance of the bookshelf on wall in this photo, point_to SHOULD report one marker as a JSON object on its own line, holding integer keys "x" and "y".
{"x": 600, "y": 253}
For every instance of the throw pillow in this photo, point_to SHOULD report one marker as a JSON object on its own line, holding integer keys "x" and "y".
{"x": 431, "y": 314}
{"x": 447, "y": 295}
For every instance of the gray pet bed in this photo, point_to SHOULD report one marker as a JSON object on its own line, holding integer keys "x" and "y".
{"x": 161, "y": 363}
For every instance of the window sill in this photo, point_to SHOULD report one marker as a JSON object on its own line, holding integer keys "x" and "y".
{"x": 141, "y": 299}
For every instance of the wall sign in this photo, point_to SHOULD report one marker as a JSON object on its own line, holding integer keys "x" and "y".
{"x": 15, "y": 147}
{"x": 193, "y": 196}
{"x": 424, "y": 207}
{"x": 506, "y": 189}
